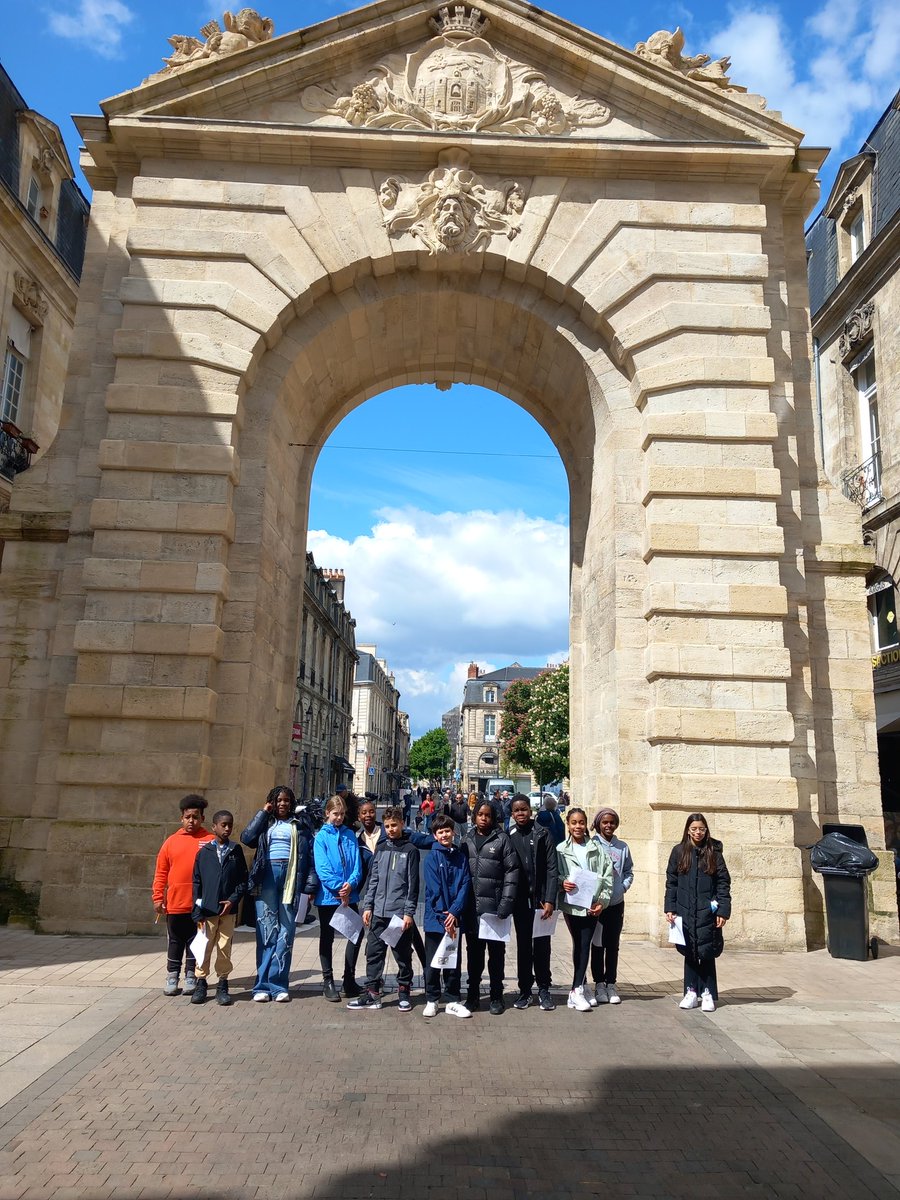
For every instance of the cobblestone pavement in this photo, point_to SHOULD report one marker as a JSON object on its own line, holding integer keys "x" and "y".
{"x": 108, "y": 1089}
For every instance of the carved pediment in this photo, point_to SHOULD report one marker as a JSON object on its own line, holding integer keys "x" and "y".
{"x": 857, "y": 330}
{"x": 456, "y": 81}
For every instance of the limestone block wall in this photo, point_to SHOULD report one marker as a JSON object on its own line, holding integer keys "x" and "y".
{"x": 657, "y": 330}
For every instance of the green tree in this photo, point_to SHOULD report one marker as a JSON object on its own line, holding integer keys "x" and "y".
{"x": 534, "y": 727}
{"x": 429, "y": 755}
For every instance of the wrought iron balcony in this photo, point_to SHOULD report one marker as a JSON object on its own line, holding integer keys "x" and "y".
{"x": 862, "y": 484}
{"x": 15, "y": 451}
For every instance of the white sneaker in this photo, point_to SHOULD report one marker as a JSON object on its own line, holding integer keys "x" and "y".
{"x": 602, "y": 993}
{"x": 690, "y": 999}
{"x": 612, "y": 995}
{"x": 457, "y": 1010}
{"x": 577, "y": 1000}
{"x": 430, "y": 1009}
{"x": 261, "y": 997}
{"x": 282, "y": 998}
{"x": 707, "y": 1004}
{"x": 589, "y": 995}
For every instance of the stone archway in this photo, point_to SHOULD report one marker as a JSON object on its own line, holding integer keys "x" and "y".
{"x": 632, "y": 273}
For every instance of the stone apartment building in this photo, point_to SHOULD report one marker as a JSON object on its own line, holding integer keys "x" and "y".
{"x": 451, "y": 723}
{"x": 43, "y": 222}
{"x": 479, "y": 725}
{"x": 853, "y": 250}
{"x": 320, "y": 738}
{"x": 379, "y": 755}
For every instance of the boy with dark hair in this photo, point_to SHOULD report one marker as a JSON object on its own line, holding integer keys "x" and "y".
{"x": 537, "y": 889}
{"x": 220, "y": 880}
{"x": 173, "y": 892}
{"x": 392, "y": 890}
{"x": 447, "y": 884}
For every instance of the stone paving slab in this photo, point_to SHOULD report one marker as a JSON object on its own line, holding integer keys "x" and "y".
{"x": 786, "y": 1091}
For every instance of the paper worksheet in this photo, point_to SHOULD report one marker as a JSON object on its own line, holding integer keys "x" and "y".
{"x": 302, "y": 909}
{"x": 493, "y": 929}
{"x": 585, "y": 888}
{"x": 597, "y": 937}
{"x": 393, "y": 933}
{"x": 199, "y": 942}
{"x": 347, "y": 923}
{"x": 676, "y": 933}
{"x": 544, "y": 928}
{"x": 446, "y": 956}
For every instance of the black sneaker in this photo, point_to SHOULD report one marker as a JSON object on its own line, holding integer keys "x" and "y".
{"x": 523, "y": 1001}
{"x": 330, "y": 992}
{"x": 546, "y": 1000}
{"x": 352, "y": 989}
{"x": 473, "y": 1003}
{"x": 404, "y": 1003}
{"x": 198, "y": 996}
{"x": 365, "y": 1000}
{"x": 497, "y": 1007}
{"x": 222, "y": 996}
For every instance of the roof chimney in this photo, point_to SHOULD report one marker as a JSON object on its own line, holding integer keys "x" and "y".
{"x": 336, "y": 578}
{"x": 473, "y": 671}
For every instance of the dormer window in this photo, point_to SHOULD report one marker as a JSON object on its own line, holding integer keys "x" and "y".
{"x": 850, "y": 207}
{"x": 33, "y": 203}
{"x": 490, "y": 695}
{"x": 857, "y": 234}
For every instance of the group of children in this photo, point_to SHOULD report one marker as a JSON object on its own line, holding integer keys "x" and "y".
{"x": 478, "y": 887}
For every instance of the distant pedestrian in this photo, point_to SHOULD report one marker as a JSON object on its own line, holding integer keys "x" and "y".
{"x": 426, "y": 809}
{"x": 281, "y": 872}
{"x": 173, "y": 892}
{"x": 459, "y": 814}
{"x": 698, "y": 889}
{"x": 536, "y": 891}
{"x": 549, "y": 817}
{"x": 447, "y": 885}
{"x": 605, "y": 957}
{"x": 220, "y": 882}
{"x": 494, "y": 868}
{"x": 392, "y": 894}
{"x": 579, "y": 853}
{"x": 339, "y": 870}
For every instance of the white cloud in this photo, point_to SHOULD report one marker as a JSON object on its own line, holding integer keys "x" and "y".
{"x": 428, "y": 588}
{"x": 97, "y": 24}
{"x": 832, "y": 78}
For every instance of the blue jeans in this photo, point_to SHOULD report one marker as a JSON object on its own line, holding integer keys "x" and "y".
{"x": 275, "y": 925}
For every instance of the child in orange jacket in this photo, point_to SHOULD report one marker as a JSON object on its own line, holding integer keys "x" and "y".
{"x": 173, "y": 892}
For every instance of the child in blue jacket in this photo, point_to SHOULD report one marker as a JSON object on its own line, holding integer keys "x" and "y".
{"x": 339, "y": 868}
{"x": 447, "y": 886}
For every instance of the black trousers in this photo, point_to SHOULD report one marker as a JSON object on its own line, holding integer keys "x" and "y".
{"x": 532, "y": 954}
{"x": 605, "y": 958}
{"x": 582, "y": 930}
{"x": 326, "y": 944}
{"x": 699, "y": 973}
{"x": 376, "y": 953}
{"x": 452, "y": 978}
{"x": 496, "y": 958}
{"x": 181, "y": 930}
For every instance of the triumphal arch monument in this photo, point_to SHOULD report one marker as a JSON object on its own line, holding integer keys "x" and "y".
{"x": 285, "y": 224}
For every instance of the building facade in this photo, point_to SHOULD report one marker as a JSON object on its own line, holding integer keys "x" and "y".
{"x": 479, "y": 723}
{"x": 320, "y": 738}
{"x": 43, "y": 224}
{"x": 451, "y": 723}
{"x": 853, "y": 250}
{"x": 377, "y": 741}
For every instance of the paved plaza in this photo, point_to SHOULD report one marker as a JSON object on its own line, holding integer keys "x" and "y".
{"x": 108, "y": 1089}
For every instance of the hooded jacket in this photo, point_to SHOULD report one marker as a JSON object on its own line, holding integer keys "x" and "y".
{"x": 494, "y": 867}
{"x": 392, "y": 888}
{"x": 448, "y": 882}
{"x": 623, "y": 867}
{"x": 569, "y": 862}
{"x": 172, "y": 880}
{"x": 254, "y": 837}
{"x": 337, "y": 861}
{"x": 690, "y": 897}
{"x": 216, "y": 881}
{"x": 365, "y": 854}
{"x": 538, "y": 867}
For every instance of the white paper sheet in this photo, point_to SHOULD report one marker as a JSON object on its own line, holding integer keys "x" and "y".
{"x": 347, "y": 923}
{"x": 585, "y": 888}
{"x": 544, "y": 928}
{"x": 392, "y": 935}
{"x": 446, "y": 956}
{"x": 302, "y": 909}
{"x": 492, "y": 929}
{"x": 597, "y": 937}
{"x": 676, "y": 933}
{"x": 199, "y": 942}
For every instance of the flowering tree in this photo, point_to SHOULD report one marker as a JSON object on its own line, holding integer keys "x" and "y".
{"x": 429, "y": 755}
{"x": 534, "y": 729}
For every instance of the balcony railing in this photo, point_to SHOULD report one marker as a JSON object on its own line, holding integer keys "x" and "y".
{"x": 862, "y": 484}
{"x": 15, "y": 451}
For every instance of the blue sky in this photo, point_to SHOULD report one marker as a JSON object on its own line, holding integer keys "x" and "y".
{"x": 452, "y": 557}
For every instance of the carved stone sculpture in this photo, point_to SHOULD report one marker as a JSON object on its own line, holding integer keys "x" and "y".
{"x": 456, "y": 80}
{"x": 665, "y": 50}
{"x": 857, "y": 329}
{"x": 242, "y": 30}
{"x": 31, "y": 296}
{"x": 452, "y": 210}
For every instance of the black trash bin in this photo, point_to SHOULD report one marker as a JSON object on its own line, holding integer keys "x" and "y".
{"x": 844, "y": 860}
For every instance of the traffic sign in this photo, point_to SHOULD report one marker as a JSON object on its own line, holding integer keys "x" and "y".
{"x": 371, "y": 770}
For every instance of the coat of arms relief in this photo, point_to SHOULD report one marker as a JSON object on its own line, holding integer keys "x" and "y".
{"x": 456, "y": 81}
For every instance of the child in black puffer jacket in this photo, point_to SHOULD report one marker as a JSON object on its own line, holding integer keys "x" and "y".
{"x": 494, "y": 867}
